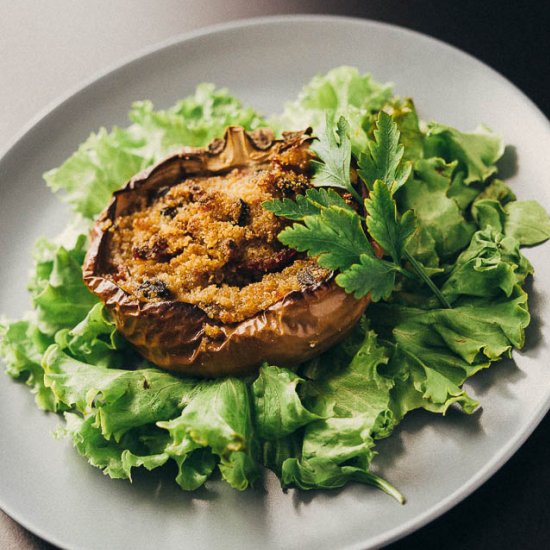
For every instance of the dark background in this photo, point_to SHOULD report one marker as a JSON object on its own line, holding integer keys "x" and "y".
{"x": 512, "y": 510}
{"x": 512, "y": 36}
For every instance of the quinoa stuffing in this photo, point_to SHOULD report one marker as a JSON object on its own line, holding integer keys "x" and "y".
{"x": 209, "y": 242}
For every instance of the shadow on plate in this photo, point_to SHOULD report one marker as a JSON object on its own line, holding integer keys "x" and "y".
{"x": 533, "y": 334}
{"x": 455, "y": 425}
{"x": 507, "y": 165}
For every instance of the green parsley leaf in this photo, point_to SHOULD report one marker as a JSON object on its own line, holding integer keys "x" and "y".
{"x": 333, "y": 167}
{"x": 306, "y": 205}
{"x": 391, "y": 233}
{"x": 335, "y": 235}
{"x": 369, "y": 275}
{"x": 323, "y": 198}
{"x": 295, "y": 210}
{"x": 382, "y": 158}
{"x": 338, "y": 237}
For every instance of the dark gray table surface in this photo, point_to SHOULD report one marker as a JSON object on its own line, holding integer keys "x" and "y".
{"x": 49, "y": 47}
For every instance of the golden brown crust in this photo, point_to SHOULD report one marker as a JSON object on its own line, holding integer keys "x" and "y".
{"x": 180, "y": 336}
{"x": 192, "y": 243}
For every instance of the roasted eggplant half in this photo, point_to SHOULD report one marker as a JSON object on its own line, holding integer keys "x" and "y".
{"x": 187, "y": 261}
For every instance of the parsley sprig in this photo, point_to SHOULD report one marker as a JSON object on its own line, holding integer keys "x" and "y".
{"x": 382, "y": 159}
{"x": 334, "y": 232}
{"x": 333, "y": 168}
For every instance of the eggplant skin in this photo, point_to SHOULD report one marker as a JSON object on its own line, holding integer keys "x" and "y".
{"x": 300, "y": 326}
{"x": 171, "y": 334}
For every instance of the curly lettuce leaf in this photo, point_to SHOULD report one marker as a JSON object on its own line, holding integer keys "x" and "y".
{"x": 197, "y": 424}
{"x": 461, "y": 193}
{"x": 437, "y": 350}
{"x": 194, "y": 121}
{"x": 491, "y": 265}
{"x": 59, "y": 295}
{"x": 118, "y": 399}
{"x": 438, "y": 214}
{"x": 107, "y": 160}
{"x": 317, "y": 473}
{"x": 218, "y": 415}
{"x": 332, "y": 392}
{"x": 422, "y": 248}
{"x": 101, "y": 165}
{"x": 527, "y": 221}
{"x": 21, "y": 347}
{"x": 275, "y": 452}
{"x": 278, "y": 409}
{"x": 116, "y": 459}
{"x": 353, "y": 398}
{"x": 499, "y": 191}
{"x": 95, "y": 340}
{"x": 138, "y": 448}
{"x": 476, "y": 152}
{"x": 340, "y": 92}
{"x": 195, "y": 468}
{"x": 489, "y": 214}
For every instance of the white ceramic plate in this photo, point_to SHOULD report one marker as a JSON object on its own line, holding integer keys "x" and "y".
{"x": 434, "y": 461}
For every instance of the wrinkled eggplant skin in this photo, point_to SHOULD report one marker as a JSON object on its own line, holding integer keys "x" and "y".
{"x": 297, "y": 328}
{"x": 171, "y": 334}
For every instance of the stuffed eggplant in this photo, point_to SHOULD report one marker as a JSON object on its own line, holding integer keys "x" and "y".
{"x": 188, "y": 261}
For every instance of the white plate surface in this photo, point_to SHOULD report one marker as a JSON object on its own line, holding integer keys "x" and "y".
{"x": 435, "y": 461}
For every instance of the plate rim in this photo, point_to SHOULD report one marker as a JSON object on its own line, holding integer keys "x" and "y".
{"x": 505, "y": 452}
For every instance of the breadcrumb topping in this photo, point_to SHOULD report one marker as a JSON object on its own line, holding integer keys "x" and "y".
{"x": 209, "y": 242}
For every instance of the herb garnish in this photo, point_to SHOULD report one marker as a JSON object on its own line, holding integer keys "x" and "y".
{"x": 335, "y": 233}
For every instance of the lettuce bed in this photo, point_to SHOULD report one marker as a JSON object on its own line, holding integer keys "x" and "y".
{"x": 315, "y": 427}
